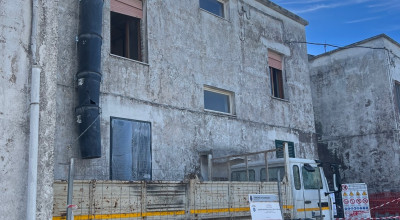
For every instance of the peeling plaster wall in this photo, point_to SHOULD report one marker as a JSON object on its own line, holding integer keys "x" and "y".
{"x": 187, "y": 49}
{"x": 15, "y": 71}
{"x": 14, "y": 106}
{"x": 356, "y": 118}
{"x": 48, "y": 58}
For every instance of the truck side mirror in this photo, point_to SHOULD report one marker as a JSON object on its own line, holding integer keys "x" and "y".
{"x": 336, "y": 177}
{"x": 309, "y": 168}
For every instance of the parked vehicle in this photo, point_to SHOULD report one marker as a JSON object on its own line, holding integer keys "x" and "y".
{"x": 305, "y": 180}
{"x": 300, "y": 184}
{"x": 309, "y": 194}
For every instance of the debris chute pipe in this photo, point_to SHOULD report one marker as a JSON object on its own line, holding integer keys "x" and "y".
{"x": 89, "y": 77}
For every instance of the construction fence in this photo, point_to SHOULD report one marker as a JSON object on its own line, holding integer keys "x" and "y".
{"x": 385, "y": 205}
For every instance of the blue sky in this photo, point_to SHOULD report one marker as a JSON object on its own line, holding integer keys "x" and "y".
{"x": 343, "y": 22}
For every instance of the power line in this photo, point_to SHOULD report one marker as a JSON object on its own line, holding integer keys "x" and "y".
{"x": 336, "y": 46}
{"x": 345, "y": 47}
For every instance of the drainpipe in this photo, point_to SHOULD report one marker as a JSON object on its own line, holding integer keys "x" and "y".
{"x": 34, "y": 121}
{"x": 89, "y": 77}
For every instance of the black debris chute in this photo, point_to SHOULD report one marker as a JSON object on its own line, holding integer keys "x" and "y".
{"x": 89, "y": 77}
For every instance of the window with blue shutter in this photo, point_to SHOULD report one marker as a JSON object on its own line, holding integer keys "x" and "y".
{"x": 279, "y": 147}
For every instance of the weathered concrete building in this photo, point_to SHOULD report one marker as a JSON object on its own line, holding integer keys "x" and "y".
{"x": 178, "y": 79}
{"x": 356, "y": 103}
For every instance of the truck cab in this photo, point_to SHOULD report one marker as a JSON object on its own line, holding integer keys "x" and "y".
{"x": 303, "y": 177}
{"x": 309, "y": 189}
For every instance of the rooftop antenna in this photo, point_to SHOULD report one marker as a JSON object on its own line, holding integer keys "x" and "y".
{"x": 325, "y": 46}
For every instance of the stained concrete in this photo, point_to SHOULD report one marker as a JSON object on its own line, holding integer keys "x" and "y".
{"x": 14, "y": 107}
{"x": 355, "y": 111}
{"x": 15, "y": 68}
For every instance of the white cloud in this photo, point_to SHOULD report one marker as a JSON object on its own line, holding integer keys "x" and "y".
{"x": 300, "y": 2}
{"x": 318, "y": 7}
{"x": 361, "y": 20}
{"x": 327, "y": 5}
{"x": 385, "y": 6}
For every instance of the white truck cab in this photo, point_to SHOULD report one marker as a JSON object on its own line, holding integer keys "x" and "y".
{"x": 307, "y": 192}
{"x": 303, "y": 177}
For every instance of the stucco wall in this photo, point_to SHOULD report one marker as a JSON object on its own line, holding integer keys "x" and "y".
{"x": 14, "y": 107}
{"x": 188, "y": 48}
{"x": 356, "y": 119}
{"x": 15, "y": 28}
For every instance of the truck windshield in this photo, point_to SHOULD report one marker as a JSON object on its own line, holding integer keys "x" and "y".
{"x": 312, "y": 180}
{"x": 272, "y": 173}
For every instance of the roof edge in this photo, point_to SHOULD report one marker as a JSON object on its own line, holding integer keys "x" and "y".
{"x": 283, "y": 11}
{"x": 356, "y": 44}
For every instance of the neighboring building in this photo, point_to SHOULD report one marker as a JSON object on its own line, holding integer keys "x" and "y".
{"x": 180, "y": 79}
{"x": 356, "y": 96}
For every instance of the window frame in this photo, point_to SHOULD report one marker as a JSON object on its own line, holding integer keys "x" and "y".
{"x": 252, "y": 175}
{"x": 291, "y": 149}
{"x": 276, "y": 74}
{"x": 111, "y": 176}
{"x": 296, "y": 173}
{"x": 271, "y": 172}
{"x": 225, "y": 7}
{"x": 310, "y": 184}
{"x": 142, "y": 46}
{"x": 276, "y": 78}
{"x": 231, "y": 98}
{"x": 397, "y": 94}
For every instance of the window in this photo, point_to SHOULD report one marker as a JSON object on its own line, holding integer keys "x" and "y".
{"x": 126, "y": 38}
{"x": 296, "y": 177}
{"x": 279, "y": 146}
{"x": 130, "y": 150}
{"x": 218, "y": 100}
{"x": 241, "y": 175}
{"x": 311, "y": 180}
{"x": 273, "y": 174}
{"x": 275, "y": 71}
{"x": 397, "y": 87}
{"x": 216, "y": 7}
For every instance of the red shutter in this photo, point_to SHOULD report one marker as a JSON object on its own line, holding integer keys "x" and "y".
{"x": 131, "y": 8}
{"x": 274, "y": 60}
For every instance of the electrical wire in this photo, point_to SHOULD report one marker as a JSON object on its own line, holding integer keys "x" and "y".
{"x": 69, "y": 146}
{"x": 345, "y": 47}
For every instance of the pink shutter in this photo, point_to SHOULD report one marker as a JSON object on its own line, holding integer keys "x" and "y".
{"x": 274, "y": 60}
{"x": 131, "y": 8}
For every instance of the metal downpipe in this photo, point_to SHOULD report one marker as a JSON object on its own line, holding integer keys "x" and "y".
{"x": 34, "y": 122}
